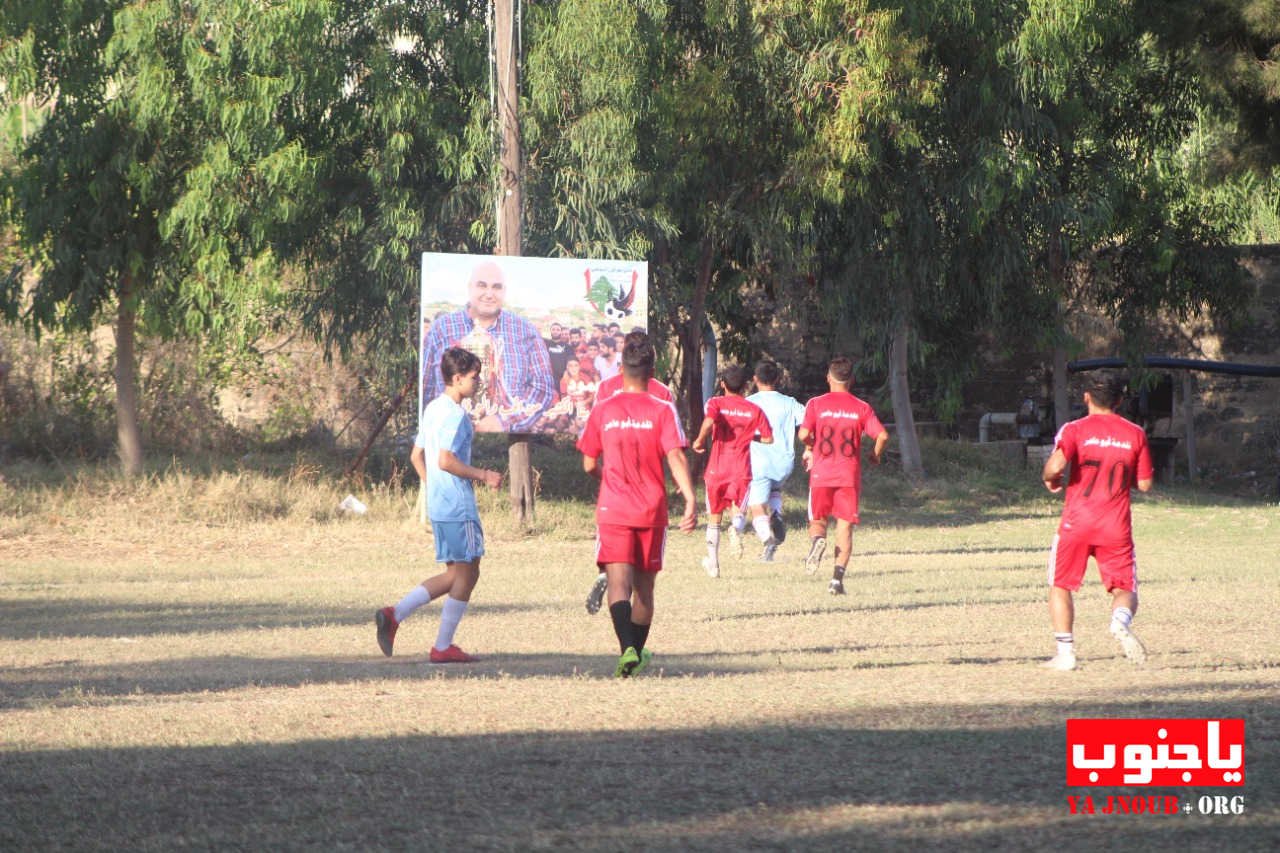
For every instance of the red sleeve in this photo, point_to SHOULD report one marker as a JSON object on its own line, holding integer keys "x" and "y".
{"x": 1145, "y": 470}
{"x": 762, "y": 424}
{"x": 1066, "y": 442}
{"x": 589, "y": 443}
{"x": 810, "y": 418}
{"x": 669, "y": 433}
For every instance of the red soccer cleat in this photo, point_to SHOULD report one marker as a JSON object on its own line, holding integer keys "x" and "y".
{"x": 453, "y": 654}
{"x": 387, "y": 625}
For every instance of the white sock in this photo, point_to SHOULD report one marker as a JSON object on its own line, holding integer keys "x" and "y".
{"x": 761, "y": 524}
{"x": 450, "y": 616}
{"x": 417, "y": 597}
{"x": 1066, "y": 643}
{"x": 1121, "y": 617}
{"x": 775, "y": 502}
{"x": 739, "y": 522}
{"x": 713, "y": 542}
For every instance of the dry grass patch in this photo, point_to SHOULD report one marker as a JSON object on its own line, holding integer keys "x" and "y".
{"x": 192, "y": 663}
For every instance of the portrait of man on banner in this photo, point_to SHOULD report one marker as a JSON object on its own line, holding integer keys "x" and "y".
{"x": 546, "y": 331}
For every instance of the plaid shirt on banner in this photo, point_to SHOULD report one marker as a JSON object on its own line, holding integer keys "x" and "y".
{"x": 524, "y": 368}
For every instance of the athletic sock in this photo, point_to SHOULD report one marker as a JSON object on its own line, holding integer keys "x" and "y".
{"x": 417, "y": 597}
{"x": 713, "y": 542}
{"x": 838, "y": 574}
{"x": 775, "y": 502}
{"x": 450, "y": 616}
{"x": 761, "y": 525}
{"x": 1066, "y": 643}
{"x": 620, "y": 612}
{"x": 640, "y": 634}
{"x": 739, "y": 523}
{"x": 1121, "y": 617}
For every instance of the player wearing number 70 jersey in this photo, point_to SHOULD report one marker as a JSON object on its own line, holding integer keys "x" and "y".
{"x": 1107, "y": 456}
{"x": 832, "y": 431}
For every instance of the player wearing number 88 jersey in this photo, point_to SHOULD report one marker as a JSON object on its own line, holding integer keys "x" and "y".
{"x": 832, "y": 431}
{"x": 1107, "y": 456}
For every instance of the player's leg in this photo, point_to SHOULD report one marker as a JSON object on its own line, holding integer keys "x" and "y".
{"x": 757, "y": 500}
{"x": 1119, "y": 570}
{"x": 595, "y": 596}
{"x": 776, "y": 525}
{"x": 652, "y": 546}
{"x": 820, "y": 505}
{"x": 716, "y": 503}
{"x": 621, "y": 587}
{"x": 388, "y": 619}
{"x": 641, "y": 619}
{"x": 738, "y": 523}
{"x": 1067, "y": 561}
{"x": 844, "y": 548}
{"x": 462, "y": 545}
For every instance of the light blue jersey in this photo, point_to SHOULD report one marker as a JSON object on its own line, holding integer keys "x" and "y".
{"x": 785, "y": 414}
{"x": 445, "y": 426}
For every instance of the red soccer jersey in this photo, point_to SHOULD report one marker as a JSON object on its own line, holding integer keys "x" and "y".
{"x": 634, "y": 432}
{"x": 1108, "y": 455}
{"x": 613, "y": 385}
{"x": 736, "y": 421}
{"x": 837, "y": 421}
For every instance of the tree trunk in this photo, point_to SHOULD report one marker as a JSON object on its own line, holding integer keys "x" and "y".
{"x": 1061, "y": 388}
{"x": 128, "y": 435}
{"x": 900, "y": 393}
{"x": 691, "y": 348}
{"x": 519, "y": 455}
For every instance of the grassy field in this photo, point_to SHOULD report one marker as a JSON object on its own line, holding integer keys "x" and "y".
{"x": 190, "y": 662}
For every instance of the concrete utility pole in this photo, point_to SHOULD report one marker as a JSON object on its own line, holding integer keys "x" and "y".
{"x": 506, "y": 65}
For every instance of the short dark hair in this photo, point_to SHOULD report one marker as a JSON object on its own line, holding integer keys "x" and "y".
{"x": 735, "y": 378}
{"x": 1107, "y": 388}
{"x": 841, "y": 369}
{"x": 457, "y": 361}
{"x": 608, "y": 342}
{"x": 768, "y": 372}
{"x": 639, "y": 336}
{"x": 637, "y": 358}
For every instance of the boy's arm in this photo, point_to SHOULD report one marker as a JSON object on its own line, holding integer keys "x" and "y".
{"x": 700, "y": 443}
{"x": 591, "y": 464}
{"x": 455, "y": 466}
{"x": 680, "y": 473}
{"x": 418, "y": 459}
{"x": 1053, "y": 468}
{"x": 878, "y": 451}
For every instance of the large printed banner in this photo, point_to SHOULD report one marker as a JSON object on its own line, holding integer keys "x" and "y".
{"x": 547, "y": 331}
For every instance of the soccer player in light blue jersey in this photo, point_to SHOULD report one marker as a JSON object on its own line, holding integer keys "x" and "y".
{"x": 771, "y": 464}
{"x": 442, "y": 457}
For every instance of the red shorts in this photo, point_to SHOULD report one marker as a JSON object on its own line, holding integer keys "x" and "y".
{"x": 1069, "y": 557}
{"x": 840, "y": 501}
{"x": 641, "y": 547}
{"x": 722, "y": 494}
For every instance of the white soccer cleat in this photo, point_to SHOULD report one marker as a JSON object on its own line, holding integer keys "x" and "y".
{"x": 1062, "y": 663}
{"x": 813, "y": 561}
{"x": 596, "y": 596}
{"x": 735, "y": 540}
{"x": 711, "y": 567}
{"x": 1133, "y": 648}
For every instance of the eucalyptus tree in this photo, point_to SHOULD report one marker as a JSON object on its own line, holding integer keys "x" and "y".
{"x": 1115, "y": 224}
{"x": 910, "y": 111}
{"x": 150, "y": 190}
{"x": 657, "y": 129}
